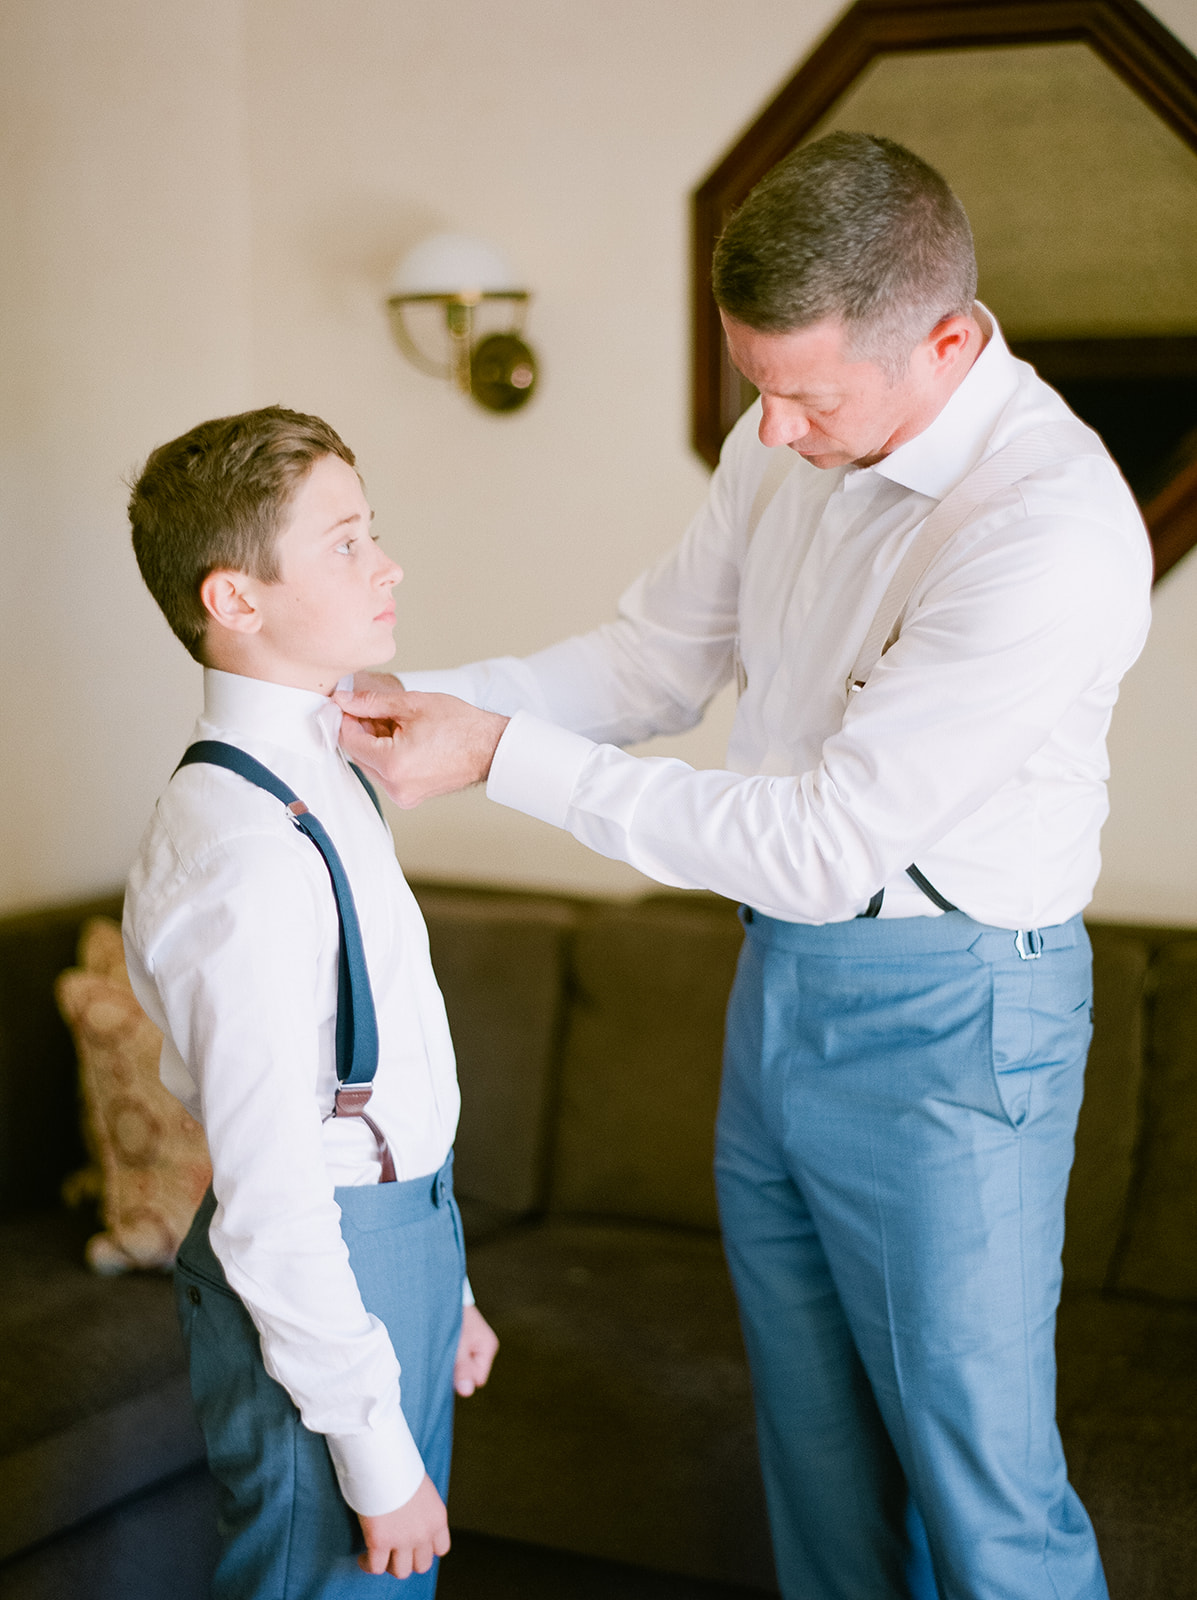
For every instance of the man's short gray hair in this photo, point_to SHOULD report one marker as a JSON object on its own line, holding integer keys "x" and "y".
{"x": 854, "y": 228}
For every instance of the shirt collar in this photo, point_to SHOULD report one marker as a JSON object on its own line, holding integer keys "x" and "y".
{"x": 934, "y": 461}
{"x": 296, "y": 719}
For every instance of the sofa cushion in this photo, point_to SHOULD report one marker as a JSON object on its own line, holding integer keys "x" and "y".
{"x": 1108, "y": 1131}
{"x": 500, "y": 962}
{"x": 1160, "y": 1255}
{"x": 1128, "y": 1418}
{"x": 618, "y": 1420}
{"x": 643, "y": 1049}
{"x": 152, "y": 1157}
{"x": 94, "y": 1403}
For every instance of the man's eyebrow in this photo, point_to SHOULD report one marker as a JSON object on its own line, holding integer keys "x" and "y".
{"x": 808, "y": 394}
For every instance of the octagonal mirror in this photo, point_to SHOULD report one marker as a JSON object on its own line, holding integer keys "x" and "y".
{"x": 1069, "y": 131}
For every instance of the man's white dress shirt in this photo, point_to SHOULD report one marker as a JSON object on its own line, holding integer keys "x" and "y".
{"x": 231, "y": 937}
{"x": 976, "y": 749}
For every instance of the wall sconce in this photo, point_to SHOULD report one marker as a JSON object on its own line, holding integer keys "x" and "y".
{"x": 458, "y": 275}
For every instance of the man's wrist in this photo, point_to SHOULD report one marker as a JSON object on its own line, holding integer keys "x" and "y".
{"x": 495, "y": 726}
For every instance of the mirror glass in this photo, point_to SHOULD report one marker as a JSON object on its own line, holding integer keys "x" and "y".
{"x": 1083, "y": 203}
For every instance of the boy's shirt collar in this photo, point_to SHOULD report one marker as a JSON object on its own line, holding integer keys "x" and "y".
{"x": 299, "y": 719}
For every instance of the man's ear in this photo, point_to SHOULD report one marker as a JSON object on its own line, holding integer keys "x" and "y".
{"x": 951, "y": 338}
{"x": 229, "y": 598}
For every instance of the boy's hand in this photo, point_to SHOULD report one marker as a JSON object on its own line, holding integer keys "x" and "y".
{"x": 418, "y": 745}
{"x": 475, "y": 1351}
{"x": 404, "y": 1541}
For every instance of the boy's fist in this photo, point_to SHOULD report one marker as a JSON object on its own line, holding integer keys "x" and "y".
{"x": 405, "y": 1541}
{"x": 475, "y": 1351}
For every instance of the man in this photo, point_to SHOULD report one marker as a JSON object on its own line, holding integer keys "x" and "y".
{"x": 913, "y": 832}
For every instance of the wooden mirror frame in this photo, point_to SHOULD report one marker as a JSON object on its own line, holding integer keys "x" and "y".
{"x": 1122, "y": 32}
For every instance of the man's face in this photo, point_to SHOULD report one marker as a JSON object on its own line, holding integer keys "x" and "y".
{"x": 331, "y": 610}
{"x": 832, "y": 411}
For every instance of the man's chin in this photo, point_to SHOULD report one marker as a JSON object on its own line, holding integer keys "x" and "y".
{"x": 823, "y": 459}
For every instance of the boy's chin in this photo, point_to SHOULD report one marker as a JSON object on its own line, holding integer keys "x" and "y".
{"x": 377, "y": 660}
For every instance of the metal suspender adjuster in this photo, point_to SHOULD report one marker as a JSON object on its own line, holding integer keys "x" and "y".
{"x": 1029, "y": 944}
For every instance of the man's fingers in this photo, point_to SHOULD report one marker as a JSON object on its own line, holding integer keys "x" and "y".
{"x": 360, "y": 742}
{"x": 368, "y": 704}
{"x": 373, "y": 702}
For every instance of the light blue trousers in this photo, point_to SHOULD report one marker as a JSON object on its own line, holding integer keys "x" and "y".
{"x": 895, "y": 1135}
{"x": 286, "y": 1531}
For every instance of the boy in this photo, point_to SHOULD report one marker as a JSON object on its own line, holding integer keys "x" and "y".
{"x": 280, "y": 967}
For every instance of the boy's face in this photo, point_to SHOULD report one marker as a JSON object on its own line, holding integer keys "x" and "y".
{"x": 330, "y": 611}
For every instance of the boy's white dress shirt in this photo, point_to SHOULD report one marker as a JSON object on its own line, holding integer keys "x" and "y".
{"x": 977, "y": 749}
{"x": 231, "y": 936}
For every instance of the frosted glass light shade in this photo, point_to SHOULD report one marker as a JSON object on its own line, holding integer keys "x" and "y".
{"x": 453, "y": 264}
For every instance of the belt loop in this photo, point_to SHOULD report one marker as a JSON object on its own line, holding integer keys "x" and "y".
{"x": 1029, "y": 944}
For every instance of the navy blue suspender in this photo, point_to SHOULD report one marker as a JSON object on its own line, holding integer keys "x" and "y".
{"x": 924, "y": 884}
{"x": 357, "y": 1024}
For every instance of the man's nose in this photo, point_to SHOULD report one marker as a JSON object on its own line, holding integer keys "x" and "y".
{"x": 781, "y": 423}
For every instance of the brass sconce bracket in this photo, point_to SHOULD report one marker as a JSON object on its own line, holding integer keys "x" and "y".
{"x": 497, "y": 370}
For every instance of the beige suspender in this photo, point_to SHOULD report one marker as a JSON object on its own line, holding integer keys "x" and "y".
{"x": 1054, "y": 441}
{"x": 1039, "y": 447}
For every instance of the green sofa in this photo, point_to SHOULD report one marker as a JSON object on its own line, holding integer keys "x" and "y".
{"x": 618, "y": 1421}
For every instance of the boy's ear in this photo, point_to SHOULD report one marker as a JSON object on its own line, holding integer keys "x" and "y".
{"x": 229, "y": 599}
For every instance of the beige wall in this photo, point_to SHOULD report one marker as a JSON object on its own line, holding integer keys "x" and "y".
{"x": 124, "y": 313}
{"x": 201, "y": 213}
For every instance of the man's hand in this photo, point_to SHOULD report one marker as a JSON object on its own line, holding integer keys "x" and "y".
{"x": 405, "y": 1541}
{"x": 475, "y": 1351}
{"x": 418, "y": 745}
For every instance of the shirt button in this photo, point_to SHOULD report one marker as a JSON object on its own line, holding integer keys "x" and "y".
{"x": 194, "y": 1295}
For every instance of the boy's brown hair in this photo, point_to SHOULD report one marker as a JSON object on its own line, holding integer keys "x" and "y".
{"x": 215, "y": 499}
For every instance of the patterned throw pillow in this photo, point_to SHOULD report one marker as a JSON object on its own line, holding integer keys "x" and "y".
{"x": 149, "y": 1156}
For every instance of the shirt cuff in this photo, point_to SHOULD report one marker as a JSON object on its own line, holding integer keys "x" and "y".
{"x": 378, "y": 1471}
{"x": 467, "y": 1293}
{"x": 536, "y": 767}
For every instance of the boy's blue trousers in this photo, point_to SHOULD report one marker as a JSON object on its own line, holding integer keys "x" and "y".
{"x": 286, "y": 1532}
{"x": 895, "y": 1135}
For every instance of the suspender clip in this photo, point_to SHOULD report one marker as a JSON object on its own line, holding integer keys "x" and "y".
{"x": 1029, "y": 944}
{"x": 352, "y": 1099}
